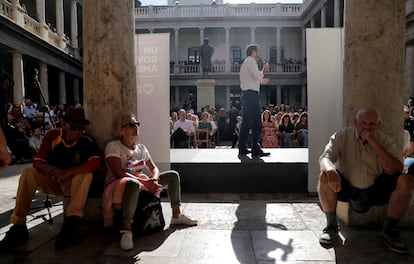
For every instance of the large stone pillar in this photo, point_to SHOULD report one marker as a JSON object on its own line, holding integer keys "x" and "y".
{"x": 206, "y": 94}
{"x": 109, "y": 73}
{"x": 18, "y": 77}
{"x": 374, "y": 60}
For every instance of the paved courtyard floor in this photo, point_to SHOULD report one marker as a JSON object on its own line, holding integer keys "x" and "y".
{"x": 233, "y": 228}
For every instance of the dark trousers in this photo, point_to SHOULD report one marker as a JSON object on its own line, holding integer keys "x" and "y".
{"x": 251, "y": 119}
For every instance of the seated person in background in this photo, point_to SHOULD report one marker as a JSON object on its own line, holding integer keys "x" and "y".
{"x": 36, "y": 140}
{"x": 301, "y": 128}
{"x": 269, "y": 137}
{"x": 62, "y": 167}
{"x": 183, "y": 129}
{"x": 362, "y": 165}
{"x": 286, "y": 132}
{"x": 125, "y": 159}
{"x": 409, "y": 126}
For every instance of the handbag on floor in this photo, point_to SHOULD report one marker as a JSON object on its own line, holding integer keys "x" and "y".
{"x": 148, "y": 216}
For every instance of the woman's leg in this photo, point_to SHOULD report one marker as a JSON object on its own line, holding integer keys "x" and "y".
{"x": 129, "y": 203}
{"x": 172, "y": 180}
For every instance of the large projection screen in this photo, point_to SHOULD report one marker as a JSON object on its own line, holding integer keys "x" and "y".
{"x": 324, "y": 47}
{"x": 153, "y": 95}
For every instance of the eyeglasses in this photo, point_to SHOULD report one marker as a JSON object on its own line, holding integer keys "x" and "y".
{"x": 132, "y": 124}
{"x": 75, "y": 128}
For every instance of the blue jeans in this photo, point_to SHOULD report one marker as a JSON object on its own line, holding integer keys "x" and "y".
{"x": 251, "y": 119}
{"x": 303, "y": 138}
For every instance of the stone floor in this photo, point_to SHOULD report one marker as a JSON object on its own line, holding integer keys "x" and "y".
{"x": 233, "y": 228}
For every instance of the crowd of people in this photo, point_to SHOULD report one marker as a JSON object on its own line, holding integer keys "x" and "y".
{"x": 282, "y": 126}
{"x": 26, "y": 125}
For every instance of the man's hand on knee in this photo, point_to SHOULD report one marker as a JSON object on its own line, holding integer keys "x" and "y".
{"x": 334, "y": 181}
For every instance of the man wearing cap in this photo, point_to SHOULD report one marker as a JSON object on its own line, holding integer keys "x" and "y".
{"x": 62, "y": 167}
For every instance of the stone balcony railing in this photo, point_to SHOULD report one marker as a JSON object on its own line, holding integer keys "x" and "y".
{"x": 195, "y": 69}
{"x": 14, "y": 12}
{"x": 227, "y": 10}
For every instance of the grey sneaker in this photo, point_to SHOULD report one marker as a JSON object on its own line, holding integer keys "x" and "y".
{"x": 329, "y": 235}
{"x": 394, "y": 243}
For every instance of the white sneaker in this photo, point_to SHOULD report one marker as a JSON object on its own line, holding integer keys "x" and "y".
{"x": 127, "y": 242}
{"x": 183, "y": 220}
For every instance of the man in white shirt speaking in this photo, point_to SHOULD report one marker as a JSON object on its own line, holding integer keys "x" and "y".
{"x": 250, "y": 79}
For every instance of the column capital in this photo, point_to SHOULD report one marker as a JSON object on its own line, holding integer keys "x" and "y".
{"x": 252, "y": 27}
{"x": 201, "y": 28}
{"x": 176, "y": 29}
{"x": 227, "y": 28}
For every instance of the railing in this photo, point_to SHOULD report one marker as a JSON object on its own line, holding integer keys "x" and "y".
{"x": 219, "y": 10}
{"x": 53, "y": 38}
{"x": 192, "y": 69}
{"x": 6, "y": 9}
{"x": 18, "y": 15}
{"x": 32, "y": 25}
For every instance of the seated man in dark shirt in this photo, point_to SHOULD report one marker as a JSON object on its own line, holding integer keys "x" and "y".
{"x": 62, "y": 167}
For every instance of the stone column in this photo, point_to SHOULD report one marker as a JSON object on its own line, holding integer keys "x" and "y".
{"x": 303, "y": 95}
{"x": 227, "y": 47}
{"x": 374, "y": 60}
{"x": 323, "y": 16}
{"x": 303, "y": 44}
{"x": 62, "y": 87}
{"x": 278, "y": 94}
{"x": 43, "y": 79}
{"x": 40, "y": 10}
{"x": 205, "y": 93}
{"x": 278, "y": 51}
{"x": 109, "y": 73}
{"x": 312, "y": 22}
{"x": 76, "y": 92}
{"x": 337, "y": 12}
{"x": 74, "y": 24}
{"x": 177, "y": 49}
{"x": 252, "y": 34}
{"x": 201, "y": 35}
{"x": 18, "y": 77}
{"x": 177, "y": 96}
{"x": 228, "y": 105}
{"x": 60, "y": 20}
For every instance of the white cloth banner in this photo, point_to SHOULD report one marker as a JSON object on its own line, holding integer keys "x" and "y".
{"x": 153, "y": 95}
